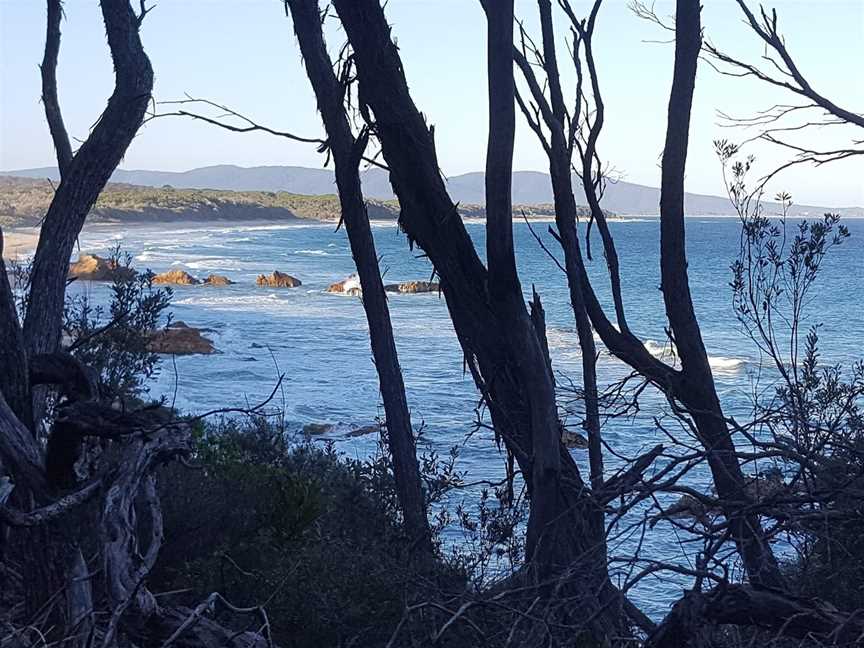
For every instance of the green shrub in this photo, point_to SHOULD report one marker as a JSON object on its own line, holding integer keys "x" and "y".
{"x": 114, "y": 341}
{"x": 299, "y": 528}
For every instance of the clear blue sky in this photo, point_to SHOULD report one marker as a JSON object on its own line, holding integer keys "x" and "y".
{"x": 243, "y": 53}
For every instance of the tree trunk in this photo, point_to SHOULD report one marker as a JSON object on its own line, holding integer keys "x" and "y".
{"x": 14, "y": 378}
{"x": 697, "y": 389}
{"x": 506, "y": 363}
{"x": 347, "y": 152}
{"x": 87, "y": 173}
{"x": 565, "y": 219}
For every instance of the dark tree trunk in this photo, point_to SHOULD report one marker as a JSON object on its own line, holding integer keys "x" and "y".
{"x": 693, "y": 386}
{"x": 58, "y": 584}
{"x": 697, "y": 385}
{"x": 505, "y": 295}
{"x": 507, "y": 363}
{"x": 347, "y": 152}
{"x": 50, "y": 100}
{"x": 565, "y": 219}
{"x": 86, "y": 174}
{"x": 14, "y": 378}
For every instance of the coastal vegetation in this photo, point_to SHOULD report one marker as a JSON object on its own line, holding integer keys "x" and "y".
{"x": 24, "y": 201}
{"x": 126, "y": 522}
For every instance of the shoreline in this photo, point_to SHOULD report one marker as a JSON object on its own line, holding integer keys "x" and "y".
{"x": 19, "y": 242}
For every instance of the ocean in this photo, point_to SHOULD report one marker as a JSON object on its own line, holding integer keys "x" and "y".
{"x": 319, "y": 341}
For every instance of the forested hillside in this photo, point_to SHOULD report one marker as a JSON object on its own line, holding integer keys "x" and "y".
{"x": 24, "y": 201}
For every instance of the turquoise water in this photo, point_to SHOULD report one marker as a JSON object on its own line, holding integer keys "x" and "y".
{"x": 319, "y": 341}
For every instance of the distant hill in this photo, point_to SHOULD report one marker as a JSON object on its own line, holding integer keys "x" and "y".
{"x": 24, "y": 201}
{"x": 529, "y": 187}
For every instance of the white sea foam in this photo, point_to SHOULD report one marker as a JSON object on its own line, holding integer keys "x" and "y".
{"x": 217, "y": 263}
{"x": 313, "y": 252}
{"x": 719, "y": 364}
{"x": 230, "y": 302}
{"x": 722, "y": 364}
{"x": 661, "y": 350}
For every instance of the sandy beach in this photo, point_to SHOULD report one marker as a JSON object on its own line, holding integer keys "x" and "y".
{"x": 19, "y": 242}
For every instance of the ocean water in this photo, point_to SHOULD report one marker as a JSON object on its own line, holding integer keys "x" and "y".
{"x": 319, "y": 341}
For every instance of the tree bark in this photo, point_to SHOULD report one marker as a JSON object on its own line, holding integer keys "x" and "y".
{"x": 693, "y": 385}
{"x": 559, "y": 154}
{"x": 347, "y": 152}
{"x": 755, "y": 606}
{"x": 505, "y": 293}
{"x": 697, "y": 388}
{"x": 50, "y": 100}
{"x": 502, "y": 360}
{"x": 87, "y": 173}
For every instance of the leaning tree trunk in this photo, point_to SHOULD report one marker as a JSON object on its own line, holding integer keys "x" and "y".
{"x": 495, "y": 355}
{"x": 697, "y": 386}
{"x": 559, "y": 152}
{"x": 347, "y": 153}
{"x": 693, "y": 386}
{"x": 506, "y": 301}
{"x": 83, "y": 176}
{"x": 58, "y": 584}
{"x": 87, "y": 172}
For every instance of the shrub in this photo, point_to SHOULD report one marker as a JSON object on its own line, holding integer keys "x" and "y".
{"x": 114, "y": 342}
{"x": 298, "y": 528}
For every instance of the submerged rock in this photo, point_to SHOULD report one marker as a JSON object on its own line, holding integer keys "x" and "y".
{"x": 92, "y": 267}
{"x": 573, "y": 440}
{"x": 350, "y": 285}
{"x": 278, "y": 280}
{"x": 314, "y": 429}
{"x": 319, "y": 429}
{"x": 363, "y": 430}
{"x": 217, "y": 280}
{"x": 411, "y": 287}
{"x": 180, "y": 339}
{"x": 176, "y": 278}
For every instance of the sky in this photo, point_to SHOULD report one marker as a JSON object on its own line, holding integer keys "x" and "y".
{"x": 243, "y": 53}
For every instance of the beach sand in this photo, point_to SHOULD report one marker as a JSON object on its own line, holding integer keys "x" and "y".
{"x": 19, "y": 242}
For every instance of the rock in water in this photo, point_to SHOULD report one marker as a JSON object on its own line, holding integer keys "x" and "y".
{"x": 348, "y": 286}
{"x": 278, "y": 280}
{"x": 92, "y": 267}
{"x": 411, "y": 287}
{"x": 180, "y": 339}
{"x": 314, "y": 429}
{"x": 217, "y": 280}
{"x": 372, "y": 428}
{"x": 573, "y": 440}
{"x": 176, "y": 278}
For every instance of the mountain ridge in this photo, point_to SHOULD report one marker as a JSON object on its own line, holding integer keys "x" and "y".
{"x": 529, "y": 187}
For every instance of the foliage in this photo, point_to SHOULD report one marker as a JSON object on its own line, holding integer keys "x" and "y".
{"x": 810, "y": 421}
{"x": 114, "y": 342}
{"x": 23, "y": 202}
{"x": 317, "y": 539}
{"x": 308, "y": 533}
